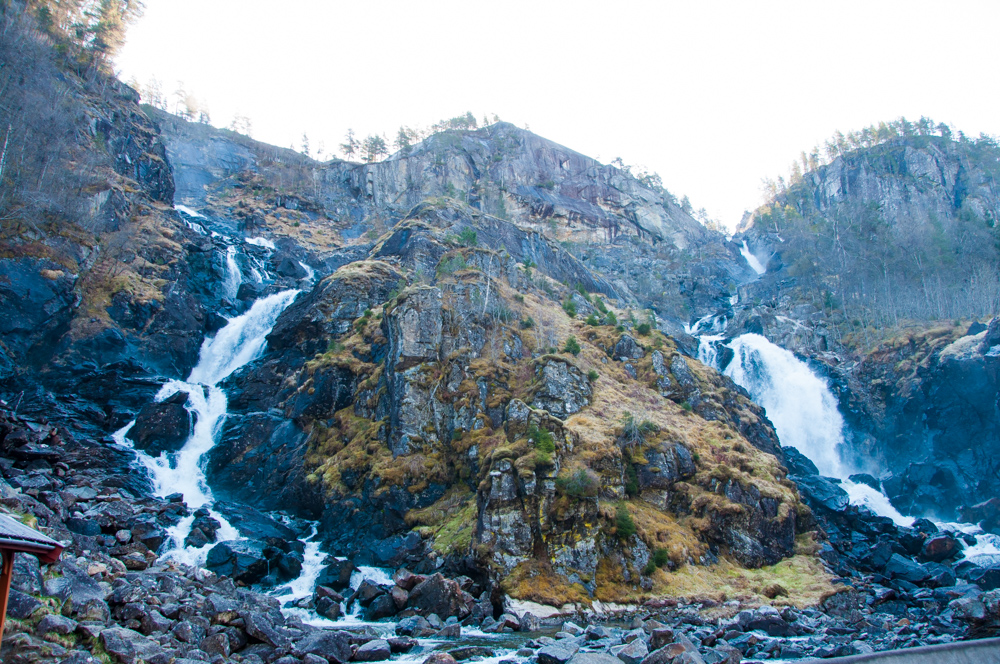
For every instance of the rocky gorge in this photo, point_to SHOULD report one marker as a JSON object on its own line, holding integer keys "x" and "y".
{"x": 486, "y": 399}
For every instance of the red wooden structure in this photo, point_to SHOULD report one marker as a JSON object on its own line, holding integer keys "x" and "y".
{"x": 15, "y": 537}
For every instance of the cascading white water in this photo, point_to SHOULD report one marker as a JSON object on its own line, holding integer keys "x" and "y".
{"x": 752, "y": 260}
{"x": 310, "y": 273}
{"x": 231, "y": 286}
{"x": 239, "y": 342}
{"x": 798, "y": 403}
{"x": 260, "y": 242}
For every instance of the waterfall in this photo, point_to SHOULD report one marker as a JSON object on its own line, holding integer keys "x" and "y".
{"x": 752, "y": 260}
{"x": 241, "y": 341}
{"x": 231, "y": 286}
{"x": 798, "y": 403}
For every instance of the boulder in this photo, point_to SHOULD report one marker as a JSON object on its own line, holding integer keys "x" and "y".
{"x": 939, "y": 548}
{"x": 246, "y": 561}
{"x": 561, "y": 388}
{"x": 899, "y": 567}
{"x": 415, "y": 626}
{"x": 438, "y": 595}
{"x": 74, "y": 584}
{"x": 336, "y": 575}
{"x": 128, "y": 647}
{"x": 557, "y": 653}
{"x": 374, "y": 651}
{"x": 162, "y": 427}
{"x": 334, "y": 646}
{"x": 627, "y": 348}
{"x": 631, "y": 653}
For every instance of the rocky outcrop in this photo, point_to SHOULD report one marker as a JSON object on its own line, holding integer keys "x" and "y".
{"x": 932, "y": 420}
{"x": 562, "y": 389}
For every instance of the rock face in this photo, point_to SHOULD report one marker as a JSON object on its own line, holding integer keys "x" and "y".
{"x": 562, "y": 388}
{"x": 935, "y": 423}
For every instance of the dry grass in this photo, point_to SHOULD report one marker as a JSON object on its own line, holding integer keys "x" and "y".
{"x": 803, "y": 577}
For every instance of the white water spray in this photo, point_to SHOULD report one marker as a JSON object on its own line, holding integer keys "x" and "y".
{"x": 231, "y": 286}
{"x": 752, "y": 260}
{"x": 798, "y": 403}
{"x": 239, "y": 342}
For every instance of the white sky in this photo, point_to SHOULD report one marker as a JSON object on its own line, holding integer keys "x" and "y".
{"x": 715, "y": 96}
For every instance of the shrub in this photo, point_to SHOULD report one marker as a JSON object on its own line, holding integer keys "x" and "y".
{"x": 583, "y": 291}
{"x": 572, "y": 346}
{"x": 643, "y": 328}
{"x": 583, "y": 483}
{"x": 611, "y": 319}
{"x": 542, "y": 438}
{"x": 661, "y": 557}
{"x": 631, "y": 481}
{"x": 624, "y": 525}
{"x": 592, "y": 375}
{"x": 635, "y": 432}
{"x": 570, "y": 308}
{"x": 592, "y": 320}
{"x": 527, "y": 323}
{"x": 467, "y": 238}
{"x": 649, "y": 568}
{"x": 453, "y": 264}
{"x": 599, "y": 303}
{"x": 687, "y": 406}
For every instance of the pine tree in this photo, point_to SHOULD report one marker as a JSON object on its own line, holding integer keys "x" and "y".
{"x": 350, "y": 145}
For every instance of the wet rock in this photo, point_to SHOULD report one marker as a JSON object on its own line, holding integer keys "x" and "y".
{"x": 242, "y": 560}
{"x": 557, "y": 653}
{"x": 415, "y": 626}
{"x": 439, "y": 658}
{"x": 336, "y": 575}
{"x": 334, "y": 646}
{"x": 903, "y": 568}
{"x": 373, "y": 651}
{"x": 162, "y": 427}
{"x": 402, "y": 644}
{"x": 383, "y": 606}
{"x": 438, "y": 595}
{"x": 469, "y": 652}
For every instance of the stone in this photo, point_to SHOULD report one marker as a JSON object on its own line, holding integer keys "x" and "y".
{"x": 336, "y": 575}
{"x": 627, "y": 348}
{"x": 401, "y": 644}
{"x": 530, "y": 622}
{"x": 468, "y": 652}
{"x": 660, "y": 636}
{"x": 259, "y": 628}
{"x": 631, "y": 653}
{"x": 415, "y": 626}
{"x": 74, "y": 584}
{"x": 373, "y": 651}
{"x": 57, "y": 624}
{"x": 21, "y": 605}
{"x": 594, "y": 658}
{"x": 899, "y": 567}
{"x": 666, "y": 654}
{"x": 561, "y": 388}
{"x": 438, "y": 595}
{"x": 557, "y": 653}
{"x": 572, "y": 628}
{"x": 162, "y": 427}
{"x": 383, "y": 606}
{"x": 216, "y": 644}
{"x": 127, "y": 646}
{"x": 439, "y": 658}
{"x": 334, "y": 646}
{"x": 939, "y": 548}
{"x": 449, "y": 632}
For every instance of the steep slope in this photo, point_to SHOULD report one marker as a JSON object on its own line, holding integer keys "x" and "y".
{"x": 873, "y": 262}
{"x": 424, "y": 388}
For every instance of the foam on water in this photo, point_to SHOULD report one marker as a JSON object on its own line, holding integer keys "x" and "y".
{"x": 260, "y": 242}
{"x": 876, "y": 501}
